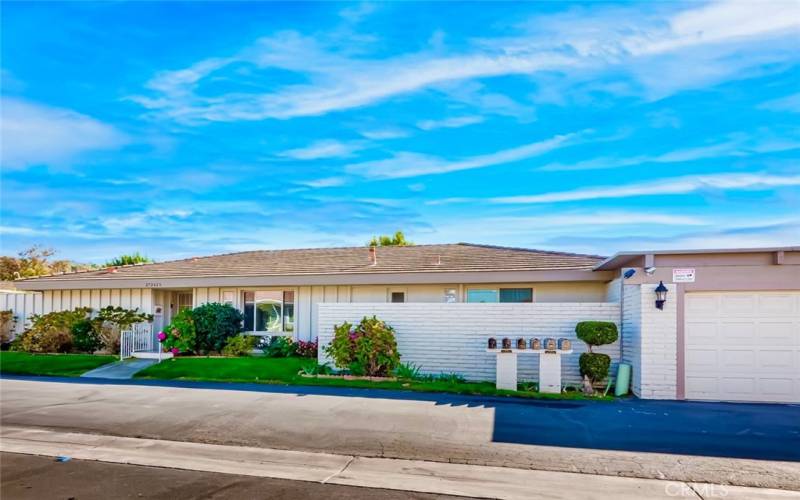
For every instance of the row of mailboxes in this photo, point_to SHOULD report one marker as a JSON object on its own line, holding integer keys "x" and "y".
{"x": 549, "y": 344}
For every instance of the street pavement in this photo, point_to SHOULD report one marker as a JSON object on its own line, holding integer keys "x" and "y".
{"x": 748, "y": 445}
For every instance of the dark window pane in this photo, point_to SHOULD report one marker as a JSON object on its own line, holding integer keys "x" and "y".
{"x": 398, "y": 297}
{"x": 516, "y": 295}
{"x": 248, "y": 316}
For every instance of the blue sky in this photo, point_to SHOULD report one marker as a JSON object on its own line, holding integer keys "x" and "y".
{"x": 179, "y": 129}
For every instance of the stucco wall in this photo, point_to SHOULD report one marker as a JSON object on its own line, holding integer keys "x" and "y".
{"x": 452, "y": 337}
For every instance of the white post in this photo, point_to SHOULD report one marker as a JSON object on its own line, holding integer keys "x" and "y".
{"x": 507, "y": 371}
{"x": 550, "y": 372}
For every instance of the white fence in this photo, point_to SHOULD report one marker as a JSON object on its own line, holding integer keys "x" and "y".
{"x": 139, "y": 338}
{"x": 452, "y": 337}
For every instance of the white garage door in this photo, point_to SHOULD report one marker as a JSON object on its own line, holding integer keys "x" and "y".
{"x": 743, "y": 346}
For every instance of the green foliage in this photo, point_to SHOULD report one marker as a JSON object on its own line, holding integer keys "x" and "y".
{"x": 7, "y": 320}
{"x": 35, "y": 261}
{"x": 407, "y": 371}
{"x": 278, "y": 346}
{"x": 596, "y": 333}
{"x": 214, "y": 324}
{"x": 240, "y": 345}
{"x": 370, "y": 348}
{"x": 128, "y": 259}
{"x": 51, "y": 332}
{"x": 111, "y": 320}
{"x": 314, "y": 368}
{"x": 398, "y": 240}
{"x": 180, "y": 332}
{"x": 595, "y": 366}
{"x": 85, "y": 337}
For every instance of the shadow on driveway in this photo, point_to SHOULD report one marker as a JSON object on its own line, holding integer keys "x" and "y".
{"x": 733, "y": 430}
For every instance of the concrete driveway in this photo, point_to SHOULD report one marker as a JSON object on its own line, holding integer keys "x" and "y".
{"x": 742, "y": 444}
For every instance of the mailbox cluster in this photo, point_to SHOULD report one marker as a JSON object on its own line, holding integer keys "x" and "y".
{"x": 549, "y": 344}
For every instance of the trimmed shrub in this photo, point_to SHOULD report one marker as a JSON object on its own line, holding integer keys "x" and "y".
{"x": 180, "y": 333}
{"x": 7, "y": 320}
{"x": 214, "y": 324}
{"x": 307, "y": 349}
{"x": 85, "y": 337}
{"x": 596, "y": 332}
{"x": 51, "y": 332}
{"x": 240, "y": 345}
{"x": 111, "y": 320}
{"x": 594, "y": 365}
{"x": 278, "y": 346}
{"x": 368, "y": 349}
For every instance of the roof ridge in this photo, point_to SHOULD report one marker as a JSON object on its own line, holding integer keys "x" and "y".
{"x": 534, "y": 250}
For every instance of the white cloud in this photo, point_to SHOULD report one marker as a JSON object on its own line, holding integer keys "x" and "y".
{"x": 675, "y": 185}
{"x": 789, "y": 103}
{"x": 34, "y": 134}
{"x": 712, "y": 37}
{"x": 408, "y": 164}
{"x": 357, "y": 13}
{"x": 385, "y": 133}
{"x": 325, "y": 182}
{"x": 323, "y": 149}
{"x": 455, "y": 122}
{"x": 737, "y": 145}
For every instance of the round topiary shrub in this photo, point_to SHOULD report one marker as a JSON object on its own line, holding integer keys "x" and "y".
{"x": 594, "y": 365}
{"x": 597, "y": 332}
{"x": 214, "y": 324}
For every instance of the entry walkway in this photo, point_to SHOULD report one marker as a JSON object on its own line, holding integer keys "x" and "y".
{"x": 120, "y": 370}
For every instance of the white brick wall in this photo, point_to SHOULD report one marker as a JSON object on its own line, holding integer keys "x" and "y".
{"x": 452, "y": 337}
{"x": 650, "y": 342}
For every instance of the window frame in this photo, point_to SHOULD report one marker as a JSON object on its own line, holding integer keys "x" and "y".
{"x": 264, "y": 333}
{"x": 496, "y": 289}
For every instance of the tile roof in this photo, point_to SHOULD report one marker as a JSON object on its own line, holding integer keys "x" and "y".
{"x": 349, "y": 260}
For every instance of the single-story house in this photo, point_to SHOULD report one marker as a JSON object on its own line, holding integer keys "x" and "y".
{"x": 728, "y": 330}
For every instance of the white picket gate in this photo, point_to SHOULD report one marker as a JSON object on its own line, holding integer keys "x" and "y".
{"x": 138, "y": 338}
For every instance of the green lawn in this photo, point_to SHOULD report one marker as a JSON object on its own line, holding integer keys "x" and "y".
{"x": 285, "y": 371}
{"x": 63, "y": 365}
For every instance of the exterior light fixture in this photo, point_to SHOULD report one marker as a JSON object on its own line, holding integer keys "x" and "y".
{"x": 661, "y": 295}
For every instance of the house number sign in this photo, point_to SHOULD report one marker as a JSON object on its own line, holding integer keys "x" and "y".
{"x": 151, "y": 284}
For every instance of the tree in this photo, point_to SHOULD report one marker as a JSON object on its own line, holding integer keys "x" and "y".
{"x": 128, "y": 259}
{"x": 35, "y": 261}
{"x": 398, "y": 240}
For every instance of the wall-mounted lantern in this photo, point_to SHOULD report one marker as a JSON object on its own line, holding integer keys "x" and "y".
{"x": 661, "y": 295}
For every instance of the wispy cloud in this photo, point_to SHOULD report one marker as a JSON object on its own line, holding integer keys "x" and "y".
{"x": 736, "y": 145}
{"x": 323, "y": 149}
{"x": 385, "y": 133}
{"x": 789, "y": 103}
{"x": 408, "y": 164}
{"x": 338, "y": 82}
{"x": 35, "y": 134}
{"x": 325, "y": 182}
{"x": 675, "y": 185}
{"x": 455, "y": 122}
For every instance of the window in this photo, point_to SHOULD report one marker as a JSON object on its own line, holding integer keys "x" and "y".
{"x": 516, "y": 295}
{"x": 481, "y": 295}
{"x": 503, "y": 295}
{"x": 450, "y": 296}
{"x": 398, "y": 297}
{"x": 184, "y": 301}
{"x": 269, "y": 311}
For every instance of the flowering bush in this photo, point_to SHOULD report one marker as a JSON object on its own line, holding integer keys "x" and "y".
{"x": 179, "y": 336}
{"x": 368, "y": 349}
{"x": 306, "y": 349}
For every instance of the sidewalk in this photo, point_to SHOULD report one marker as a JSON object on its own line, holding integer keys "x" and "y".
{"x": 121, "y": 370}
{"x": 393, "y": 474}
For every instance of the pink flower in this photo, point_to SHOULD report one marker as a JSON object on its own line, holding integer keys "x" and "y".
{"x": 175, "y": 350}
{"x": 162, "y": 336}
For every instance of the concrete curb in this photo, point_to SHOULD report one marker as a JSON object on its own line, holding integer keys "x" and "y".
{"x": 395, "y": 474}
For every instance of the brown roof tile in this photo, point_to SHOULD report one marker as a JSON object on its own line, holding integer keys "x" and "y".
{"x": 348, "y": 260}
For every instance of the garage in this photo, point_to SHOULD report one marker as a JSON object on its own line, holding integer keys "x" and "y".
{"x": 742, "y": 346}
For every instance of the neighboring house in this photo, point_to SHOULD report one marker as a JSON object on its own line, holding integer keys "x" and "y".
{"x": 728, "y": 330}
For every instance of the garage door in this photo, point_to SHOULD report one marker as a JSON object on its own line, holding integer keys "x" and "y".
{"x": 743, "y": 346}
